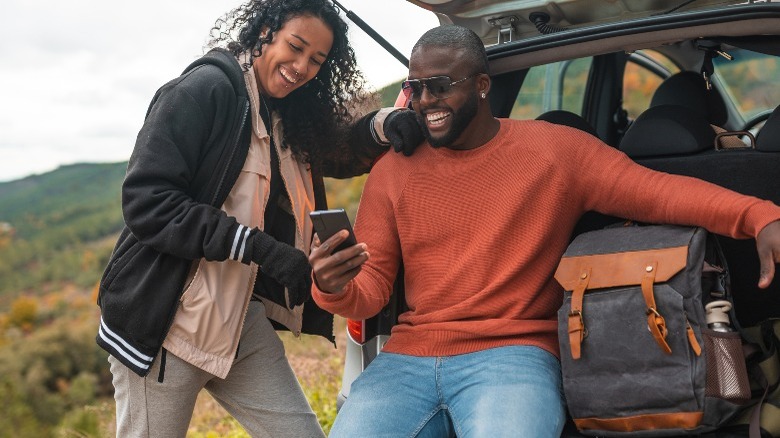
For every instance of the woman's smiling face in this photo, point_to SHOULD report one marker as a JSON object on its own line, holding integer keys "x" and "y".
{"x": 294, "y": 57}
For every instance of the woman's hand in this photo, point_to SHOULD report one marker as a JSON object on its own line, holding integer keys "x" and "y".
{"x": 285, "y": 264}
{"x": 403, "y": 131}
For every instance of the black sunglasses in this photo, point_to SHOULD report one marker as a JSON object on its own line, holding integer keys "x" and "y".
{"x": 440, "y": 87}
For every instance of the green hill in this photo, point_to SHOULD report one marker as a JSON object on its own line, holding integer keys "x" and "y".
{"x": 71, "y": 190}
{"x": 389, "y": 93}
{"x": 55, "y": 227}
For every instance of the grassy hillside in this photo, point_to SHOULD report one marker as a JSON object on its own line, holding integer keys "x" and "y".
{"x": 389, "y": 93}
{"x": 56, "y": 228}
{"x": 71, "y": 191}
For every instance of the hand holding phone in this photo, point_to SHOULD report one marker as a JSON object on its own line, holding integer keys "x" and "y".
{"x": 329, "y": 222}
{"x": 332, "y": 273}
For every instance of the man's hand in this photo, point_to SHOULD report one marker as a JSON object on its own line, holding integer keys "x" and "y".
{"x": 332, "y": 271}
{"x": 403, "y": 131}
{"x": 768, "y": 246}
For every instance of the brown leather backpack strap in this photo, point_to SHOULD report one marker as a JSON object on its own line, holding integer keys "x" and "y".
{"x": 577, "y": 330}
{"x": 655, "y": 322}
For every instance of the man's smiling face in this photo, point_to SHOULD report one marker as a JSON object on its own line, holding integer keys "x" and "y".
{"x": 443, "y": 120}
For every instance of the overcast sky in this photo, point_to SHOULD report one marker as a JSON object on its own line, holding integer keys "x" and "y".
{"x": 76, "y": 76}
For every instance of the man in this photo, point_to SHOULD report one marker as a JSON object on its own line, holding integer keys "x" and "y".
{"x": 480, "y": 217}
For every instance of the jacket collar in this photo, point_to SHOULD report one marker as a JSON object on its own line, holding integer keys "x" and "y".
{"x": 254, "y": 101}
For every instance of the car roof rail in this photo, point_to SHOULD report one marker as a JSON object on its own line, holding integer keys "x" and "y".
{"x": 373, "y": 34}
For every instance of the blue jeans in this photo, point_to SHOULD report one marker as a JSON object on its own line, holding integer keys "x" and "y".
{"x": 510, "y": 391}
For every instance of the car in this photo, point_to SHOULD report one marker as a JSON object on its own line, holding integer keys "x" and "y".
{"x": 611, "y": 67}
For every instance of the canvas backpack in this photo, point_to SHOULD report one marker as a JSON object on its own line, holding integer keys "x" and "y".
{"x": 637, "y": 355}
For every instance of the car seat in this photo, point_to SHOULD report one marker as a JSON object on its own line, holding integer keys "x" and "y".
{"x": 568, "y": 118}
{"x": 768, "y": 139}
{"x": 668, "y": 130}
{"x": 689, "y": 89}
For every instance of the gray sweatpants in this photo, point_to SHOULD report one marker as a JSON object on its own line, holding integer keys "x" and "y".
{"x": 261, "y": 391}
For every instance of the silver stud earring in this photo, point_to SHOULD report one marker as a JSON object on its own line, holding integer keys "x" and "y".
{"x": 482, "y": 95}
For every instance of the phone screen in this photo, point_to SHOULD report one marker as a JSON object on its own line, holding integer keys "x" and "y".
{"x": 329, "y": 222}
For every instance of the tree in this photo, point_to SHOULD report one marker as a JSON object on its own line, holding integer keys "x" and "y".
{"x": 24, "y": 312}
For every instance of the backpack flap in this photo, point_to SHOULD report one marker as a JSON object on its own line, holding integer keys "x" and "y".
{"x": 644, "y": 267}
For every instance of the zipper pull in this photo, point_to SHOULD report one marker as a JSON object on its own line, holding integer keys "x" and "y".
{"x": 692, "y": 338}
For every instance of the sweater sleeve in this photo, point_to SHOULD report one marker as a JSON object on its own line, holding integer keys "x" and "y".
{"x": 370, "y": 291}
{"x": 157, "y": 194}
{"x": 613, "y": 184}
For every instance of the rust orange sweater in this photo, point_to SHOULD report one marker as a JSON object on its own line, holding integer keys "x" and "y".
{"x": 482, "y": 231}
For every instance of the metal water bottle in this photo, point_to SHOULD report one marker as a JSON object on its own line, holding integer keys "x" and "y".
{"x": 717, "y": 314}
{"x": 726, "y": 372}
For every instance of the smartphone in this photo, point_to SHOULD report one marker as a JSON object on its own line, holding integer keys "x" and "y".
{"x": 329, "y": 222}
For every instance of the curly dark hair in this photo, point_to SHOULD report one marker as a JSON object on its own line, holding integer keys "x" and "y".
{"x": 315, "y": 115}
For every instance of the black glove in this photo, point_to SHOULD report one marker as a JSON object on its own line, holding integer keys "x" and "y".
{"x": 285, "y": 264}
{"x": 403, "y": 131}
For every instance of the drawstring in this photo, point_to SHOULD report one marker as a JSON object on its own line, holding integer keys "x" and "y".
{"x": 161, "y": 376}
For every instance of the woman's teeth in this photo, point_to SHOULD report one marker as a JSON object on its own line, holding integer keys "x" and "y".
{"x": 287, "y": 76}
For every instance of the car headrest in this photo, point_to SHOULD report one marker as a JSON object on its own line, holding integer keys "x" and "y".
{"x": 689, "y": 89}
{"x": 667, "y": 130}
{"x": 568, "y": 118}
{"x": 768, "y": 139}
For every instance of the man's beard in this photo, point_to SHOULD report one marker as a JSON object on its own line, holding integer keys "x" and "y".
{"x": 460, "y": 121}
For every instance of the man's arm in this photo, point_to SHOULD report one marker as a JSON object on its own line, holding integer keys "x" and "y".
{"x": 639, "y": 193}
{"x": 351, "y": 282}
{"x": 604, "y": 179}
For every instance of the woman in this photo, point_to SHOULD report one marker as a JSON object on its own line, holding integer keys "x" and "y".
{"x": 225, "y": 170}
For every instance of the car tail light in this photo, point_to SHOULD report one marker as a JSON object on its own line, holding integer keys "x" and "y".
{"x": 357, "y": 330}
